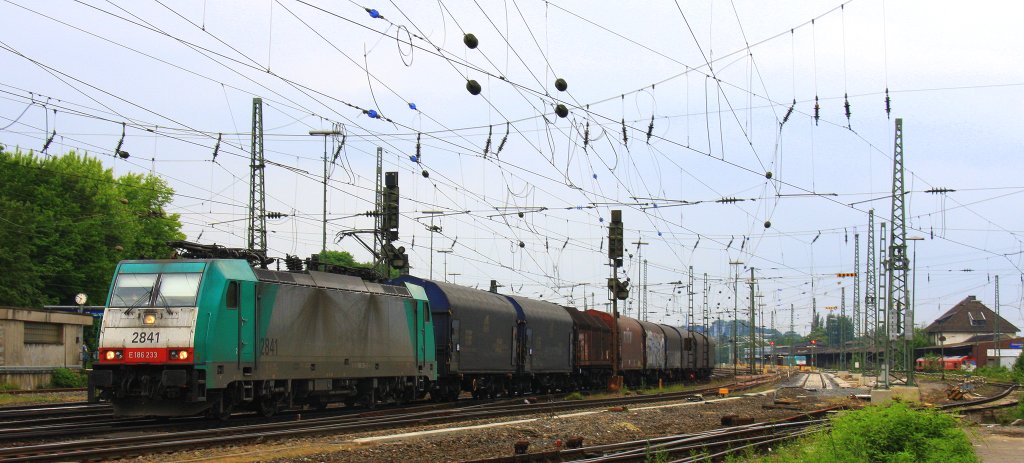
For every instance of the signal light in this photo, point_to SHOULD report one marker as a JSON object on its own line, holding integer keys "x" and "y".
{"x": 814, "y": 342}
{"x": 615, "y": 238}
{"x": 390, "y": 206}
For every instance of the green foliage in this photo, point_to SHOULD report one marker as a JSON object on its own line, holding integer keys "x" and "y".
{"x": 574, "y": 396}
{"x": 900, "y": 433}
{"x": 920, "y": 339}
{"x": 932, "y": 363}
{"x": 1018, "y": 369}
{"x": 63, "y": 377}
{"x": 346, "y": 259}
{"x": 1000, "y": 373}
{"x": 819, "y": 334}
{"x": 656, "y": 456}
{"x": 838, "y": 328}
{"x": 8, "y": 387}
{"x": 884, "y": 434}
{"x": 65, "y": 222}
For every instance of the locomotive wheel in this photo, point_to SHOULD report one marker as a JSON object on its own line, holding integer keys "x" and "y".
{"x": 268, "y": 407}
{"x": 318, "y": 404}
{"x": 220, "y": 411}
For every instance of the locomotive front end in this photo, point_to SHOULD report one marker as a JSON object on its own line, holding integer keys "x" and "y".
{"x": 147, "y": 354}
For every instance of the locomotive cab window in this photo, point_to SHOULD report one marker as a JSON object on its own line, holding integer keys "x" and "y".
{"x": 232, "y": 296}
{"x": 155, "y": 290}
{"x": 133, "y": 290}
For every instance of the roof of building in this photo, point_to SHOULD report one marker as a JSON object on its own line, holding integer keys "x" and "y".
{"x": 970, "y": 316}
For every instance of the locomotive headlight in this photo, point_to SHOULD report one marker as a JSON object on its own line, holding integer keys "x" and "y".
{"x": 110, "y": 355}
{"x": 183, "y": 355}
{"x": 149, "y": 319}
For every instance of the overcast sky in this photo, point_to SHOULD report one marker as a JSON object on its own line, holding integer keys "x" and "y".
{"x": 700, "y": 90}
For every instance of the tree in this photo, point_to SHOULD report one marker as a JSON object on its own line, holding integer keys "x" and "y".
{"x": 346, "y": 259}
{"x": 920, "y": 339}
{"x": 838, "y": 328}
{"x": 65, "y": 222}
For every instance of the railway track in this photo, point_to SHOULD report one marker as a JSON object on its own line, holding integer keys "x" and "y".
{"x": 984, "y": 400}
{"x": 52, "y": 410}
{"x": 152, "y": 441}
{"x": 713, "y": 445}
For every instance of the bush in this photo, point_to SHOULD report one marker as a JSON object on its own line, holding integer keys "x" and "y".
{"x": 884, "y": 434}
{"x": 63, "y": 377}
{"x": 1018, "y": 369}
{"x": 899, "y": 433}
{"x": 8, "y": 387}
{"x": 574, "y": 396}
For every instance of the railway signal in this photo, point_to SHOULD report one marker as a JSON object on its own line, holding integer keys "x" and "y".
{"x": 390, "y": 222}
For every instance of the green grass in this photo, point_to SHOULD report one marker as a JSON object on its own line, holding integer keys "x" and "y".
{"x": 30, "y": 399}
{"x": 884, "y": 434}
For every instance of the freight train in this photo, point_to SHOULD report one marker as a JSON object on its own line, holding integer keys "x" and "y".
{"x": 191, "y": 336}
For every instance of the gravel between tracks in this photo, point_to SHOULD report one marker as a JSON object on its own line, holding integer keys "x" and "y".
{"x": 541, "y": 430}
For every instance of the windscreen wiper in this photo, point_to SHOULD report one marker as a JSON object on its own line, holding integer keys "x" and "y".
{"x": 145, "y": 296}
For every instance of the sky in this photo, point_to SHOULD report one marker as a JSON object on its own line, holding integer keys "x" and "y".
{"x": 680, "y": 114}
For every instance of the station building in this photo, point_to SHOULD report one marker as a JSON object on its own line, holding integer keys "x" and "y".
{"x": 34, "y": 342}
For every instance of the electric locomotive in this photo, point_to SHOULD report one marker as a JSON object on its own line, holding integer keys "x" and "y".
{"x": 184, "y": 337}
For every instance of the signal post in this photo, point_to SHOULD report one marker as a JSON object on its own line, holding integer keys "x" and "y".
{"x": 616, "y": 290}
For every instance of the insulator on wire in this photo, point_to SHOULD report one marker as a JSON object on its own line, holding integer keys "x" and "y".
{"x": 216, "y": 147}
{"x": 418, "y": 155}
{"x": 487, "y": 146}
{"x": 888, "y": 103}
{"x": 789, "y": 112}
{"x": 817, "y": 110}
{"x": 586, "y": 136}
{"x": 650, "y": 129}
{"x": 625, "y": 137}
{"x": 120, "y": 143}
{"x": 49, "y": 140}
{"x": 846, "y": 104}
{"x": 504, "y": 139}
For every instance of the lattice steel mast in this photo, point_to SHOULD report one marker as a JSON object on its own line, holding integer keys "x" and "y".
{"x": 871, "y": 300}
{"x": 856, "y": 293}
{"x": 257, "y": 193}
{"x": 901, "y": 333}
